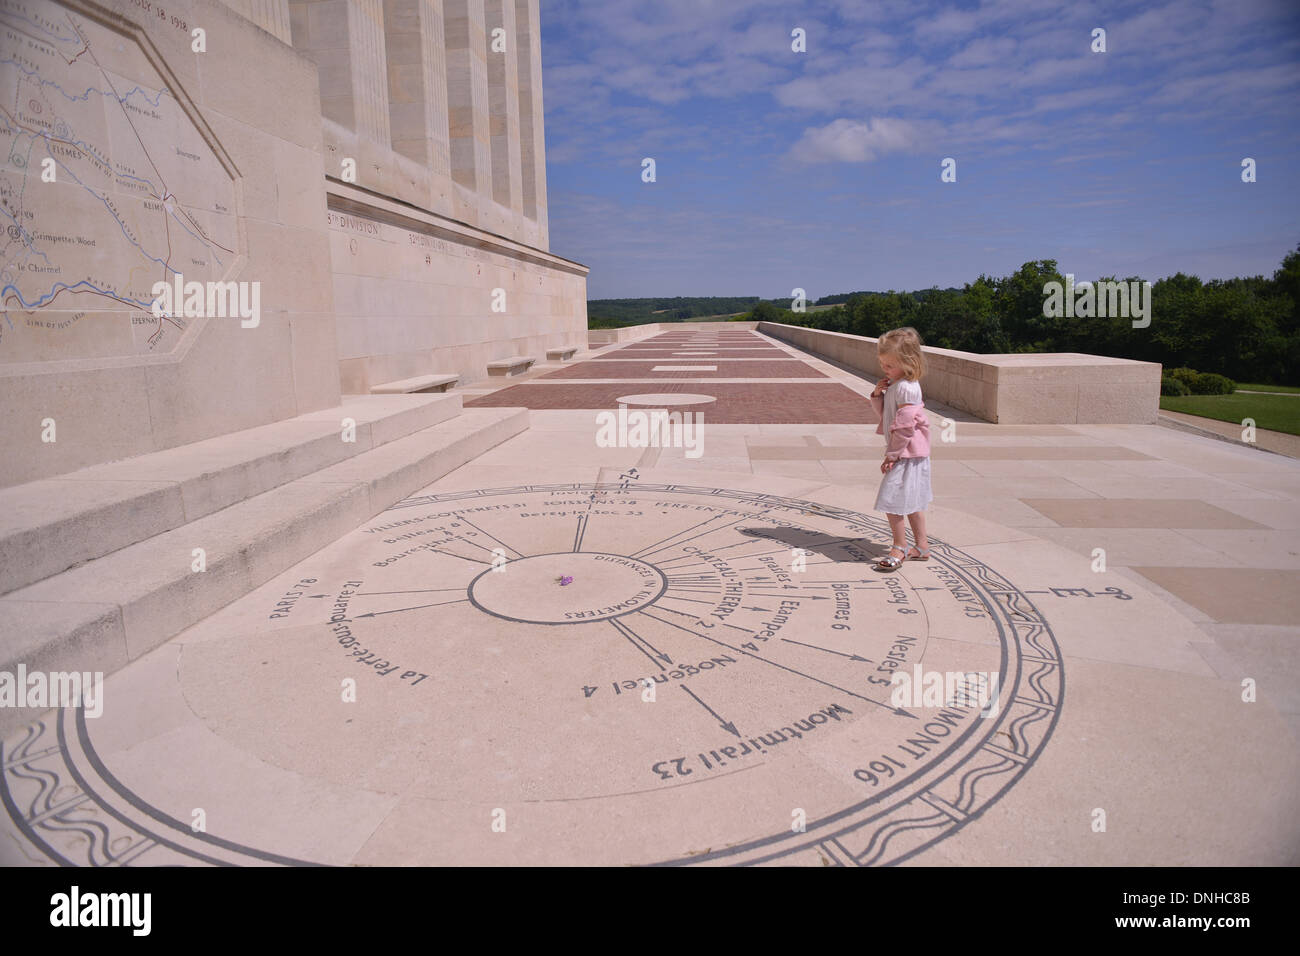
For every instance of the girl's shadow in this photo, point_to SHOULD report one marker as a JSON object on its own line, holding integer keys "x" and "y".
{"x": 839, "y": 550}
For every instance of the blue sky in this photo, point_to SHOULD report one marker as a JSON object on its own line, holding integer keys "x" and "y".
{"x": 820, "y": 170}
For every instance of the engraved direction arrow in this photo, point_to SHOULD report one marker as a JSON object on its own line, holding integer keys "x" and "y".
{"x": 651, "y": 549}
{"x": 674, "y": 597}
{"x": 416, "y": 591}
{"x": 810, "y": 597}
{"x": 852, "y": 657}
{"x": 758, "y": 657}
{"x": 725, "y": 725}
{"x": 399, "y": 609}
{"x": 453, "y": 554}
{"x": 492, "y": 536}
{"x": 637, "y": 641}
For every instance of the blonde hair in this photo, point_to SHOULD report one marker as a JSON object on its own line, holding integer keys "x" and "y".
{"x": 905, "y": 345}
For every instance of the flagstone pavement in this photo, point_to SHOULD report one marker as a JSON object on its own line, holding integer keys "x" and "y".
{"x": 578, "y": 651}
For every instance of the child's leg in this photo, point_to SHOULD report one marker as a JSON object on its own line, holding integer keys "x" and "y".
{"x": 899, "y": 528}
{"x": 917, "y": 520}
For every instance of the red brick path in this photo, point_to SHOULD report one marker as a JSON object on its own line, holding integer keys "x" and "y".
{"x": 720, "y": 352}
{"x": 756, "y": 402}
{"x": 773, "y": 369}
{"x": 815, "y": 402}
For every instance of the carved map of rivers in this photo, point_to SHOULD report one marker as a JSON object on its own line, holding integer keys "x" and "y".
{"x": 106, "y": 187}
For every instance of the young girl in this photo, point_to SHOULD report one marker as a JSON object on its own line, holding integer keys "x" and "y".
{"x": 905, "y": 489}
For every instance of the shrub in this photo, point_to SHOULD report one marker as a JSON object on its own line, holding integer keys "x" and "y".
{"x": 1173, "y": 386}
{"x": 1211, "y": 383}
{"x": 1185, "y": 375}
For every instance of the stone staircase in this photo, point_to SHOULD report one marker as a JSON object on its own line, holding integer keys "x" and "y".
{"x": 97, "y": 564}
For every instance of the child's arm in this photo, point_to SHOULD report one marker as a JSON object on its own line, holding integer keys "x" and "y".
{"x": 877, "y": 399}
{"x": 902, "y": 429}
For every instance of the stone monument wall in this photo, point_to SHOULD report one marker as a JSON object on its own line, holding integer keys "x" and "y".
{"x": 201, "y": 145}
{"x": 416, "y": 293}
{"x": 164, "y": 161}
{"x": 437, "y": 186}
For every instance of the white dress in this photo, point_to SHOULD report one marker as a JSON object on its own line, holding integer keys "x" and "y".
{"x": 905, "y": 488}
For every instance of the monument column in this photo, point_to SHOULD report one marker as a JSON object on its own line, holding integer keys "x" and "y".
{"x": 417, "y": 82}
{"x": 467, "y": 100}
{"x": 345, "y": 39}
{"x": 271, "y": 15}
{"x": 503, "y": 96}
{"x": 531, "y": 127}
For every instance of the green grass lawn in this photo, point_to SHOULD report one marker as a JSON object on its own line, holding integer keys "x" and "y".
{"x": 1270, "y": 388}
{"x": 1279, "y": 413}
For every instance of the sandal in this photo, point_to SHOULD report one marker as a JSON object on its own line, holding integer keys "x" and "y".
{"x": 922, "y": 554}
{"x": 891, "y": 563}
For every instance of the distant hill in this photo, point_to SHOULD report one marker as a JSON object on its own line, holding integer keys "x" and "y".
{"x": 840, "y": 298}
{"x": 612, "y": 313}
{"x": 675, "y": 309}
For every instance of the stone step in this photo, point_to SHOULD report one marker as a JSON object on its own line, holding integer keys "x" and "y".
{"x": 111, "y": 610}
{"x": 437, "y": 382}
{"x": 54, "y": 524}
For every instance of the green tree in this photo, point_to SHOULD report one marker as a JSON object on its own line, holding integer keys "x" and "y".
{"x": 1019, "y": 303}
{"x": 981, "y": 325}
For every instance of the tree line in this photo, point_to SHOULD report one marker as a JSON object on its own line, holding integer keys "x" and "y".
{"x": 611, "y": 313}
{"x": 1247, "y": 328}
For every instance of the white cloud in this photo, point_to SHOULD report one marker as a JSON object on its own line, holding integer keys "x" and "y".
{"x": 853, "y": 141}
{"x": 1009, "y": 87}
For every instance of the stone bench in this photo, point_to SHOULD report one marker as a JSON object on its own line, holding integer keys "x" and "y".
{"x": 421, "y": 383}
{"x": 560, "y": 355}
{"x": 515, "y": 365}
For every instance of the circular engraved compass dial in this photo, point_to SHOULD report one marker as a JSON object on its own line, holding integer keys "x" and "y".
{"x": 645, "y": 673}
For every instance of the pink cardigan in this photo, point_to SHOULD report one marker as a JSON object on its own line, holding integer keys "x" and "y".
{"x": 909, "y": 433}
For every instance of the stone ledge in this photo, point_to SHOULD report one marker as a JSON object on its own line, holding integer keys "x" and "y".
{"x": 1061, "y": 388}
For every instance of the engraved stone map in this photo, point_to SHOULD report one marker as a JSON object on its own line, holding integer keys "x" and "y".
{"x": 106, "y": 187}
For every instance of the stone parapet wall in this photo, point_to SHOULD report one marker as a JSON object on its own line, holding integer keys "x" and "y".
{"x": 1050, "y": 388}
